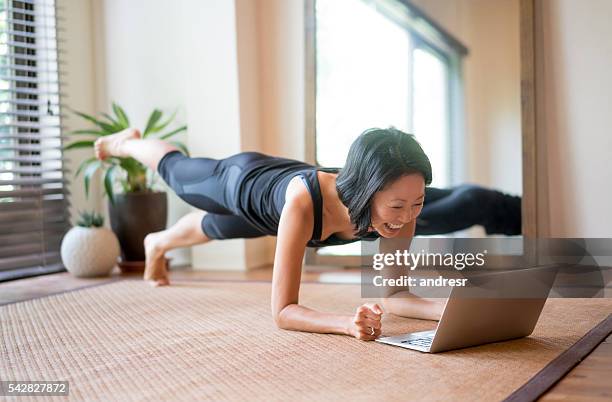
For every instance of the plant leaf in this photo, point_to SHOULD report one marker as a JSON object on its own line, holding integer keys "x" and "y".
{"x": 153, "y": 119}
{"x": 89, "y": 172}
{"x": 180, "y": 146}
{"x": 108, "y": 184}
{"x": 88, "y": 132}
{"x": 130, "y": 165}
{"x": 79, "y": 144}
{"x": 173, "y": 132}
{"x": 116, "y": 125}
{"x": 159, "y": 128}
{"x": 107, "y": 128}
{"x": 135, "y": 171}
{"x": 121, "y": 116}
{"x": 83, "y": 165}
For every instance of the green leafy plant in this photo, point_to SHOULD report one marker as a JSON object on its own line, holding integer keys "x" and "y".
{"x": 90, "y": 219}
{"x": 131, "y": 174}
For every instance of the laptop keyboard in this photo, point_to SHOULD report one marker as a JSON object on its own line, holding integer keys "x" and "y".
{"x": 421, "y": 342}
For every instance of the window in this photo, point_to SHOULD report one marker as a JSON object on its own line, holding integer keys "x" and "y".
{"x": 381, "y": 63}
{"x": 33, "y": 195}
{"x": 376, "y": 69}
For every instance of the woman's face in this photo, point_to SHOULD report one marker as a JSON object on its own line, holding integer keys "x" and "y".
{"x": 400, "y": 203}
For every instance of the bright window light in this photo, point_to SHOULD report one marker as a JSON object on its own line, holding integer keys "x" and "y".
{"x": 363, "y": 80}
{"x": 431, "y": 126}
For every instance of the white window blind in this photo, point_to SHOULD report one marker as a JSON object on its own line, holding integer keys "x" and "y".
{"x": 33, "y": 194}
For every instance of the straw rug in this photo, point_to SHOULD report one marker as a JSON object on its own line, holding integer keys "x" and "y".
{"x": 208, "y": 340}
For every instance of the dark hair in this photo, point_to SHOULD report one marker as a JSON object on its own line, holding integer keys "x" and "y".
{"x": 377, "y": 158}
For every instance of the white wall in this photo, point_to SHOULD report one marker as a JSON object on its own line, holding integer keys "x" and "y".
{"x": 574, "y": 95}
{"x": 233, "y": 68}
{"x": 147, "y": 54}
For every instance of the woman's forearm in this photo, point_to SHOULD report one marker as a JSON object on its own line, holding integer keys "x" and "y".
{"x": 406, "y": 304}
{"x": 299, "y": 318}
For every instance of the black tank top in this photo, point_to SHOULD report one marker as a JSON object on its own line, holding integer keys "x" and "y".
{"x": 261, "y": 191}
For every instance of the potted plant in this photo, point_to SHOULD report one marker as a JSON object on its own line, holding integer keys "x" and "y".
{"x": 139, "y": 208}
{"x": 89, "y": 249}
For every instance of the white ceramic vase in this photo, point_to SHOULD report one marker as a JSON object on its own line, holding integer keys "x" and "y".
{"x": 88, "y": 252}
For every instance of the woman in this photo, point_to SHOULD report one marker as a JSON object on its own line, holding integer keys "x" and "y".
{"x": 379, "y": 193}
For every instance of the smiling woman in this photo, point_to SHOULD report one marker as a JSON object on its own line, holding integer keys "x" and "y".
{"x": 378, "y": 193}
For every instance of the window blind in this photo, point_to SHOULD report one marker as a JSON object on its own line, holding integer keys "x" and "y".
{"x": 33, "y": 194}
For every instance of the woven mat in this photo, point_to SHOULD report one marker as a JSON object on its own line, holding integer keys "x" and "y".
{"x": 126, "y": 341}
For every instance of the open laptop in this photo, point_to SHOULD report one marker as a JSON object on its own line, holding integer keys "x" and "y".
{"x": 482, "y": 313}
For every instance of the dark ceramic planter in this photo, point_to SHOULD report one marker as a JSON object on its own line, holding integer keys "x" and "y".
{"x": 133, "y": 216}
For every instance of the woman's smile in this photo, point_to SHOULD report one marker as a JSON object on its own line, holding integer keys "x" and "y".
{"x": 393, "y": 228}
{"x": 387, "y": 229}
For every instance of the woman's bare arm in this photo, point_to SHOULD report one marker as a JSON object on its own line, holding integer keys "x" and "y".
{"x": 400, "y": 301}
{"x": 405, "y": 304}
{"x": 294, "y": 231}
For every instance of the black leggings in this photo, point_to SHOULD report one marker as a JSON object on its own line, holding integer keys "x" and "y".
{"x": 466, "y": 205}
{"x": 210, "y": 184}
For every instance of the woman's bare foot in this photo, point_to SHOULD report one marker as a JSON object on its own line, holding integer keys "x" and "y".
{"x": 156, "y": 263}
{"x": 110, "y": 145}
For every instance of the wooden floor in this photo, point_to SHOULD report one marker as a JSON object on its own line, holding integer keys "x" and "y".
{"x": 589, "y": 381}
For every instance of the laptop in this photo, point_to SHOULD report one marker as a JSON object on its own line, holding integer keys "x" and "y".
{"x": 488, "y": 310}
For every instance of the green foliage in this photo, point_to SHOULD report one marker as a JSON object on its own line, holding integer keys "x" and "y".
{"x": 131, "y": 174}
{"x": 90, "y": 219}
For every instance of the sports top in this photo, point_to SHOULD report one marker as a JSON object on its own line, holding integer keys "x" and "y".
{"x": 260, "y": 196}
